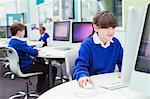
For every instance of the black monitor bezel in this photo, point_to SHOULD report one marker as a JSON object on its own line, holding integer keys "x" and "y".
{"x": 8, "y": 27}
{"x": 73, "y": 41}
{"x": 67, "y": 38}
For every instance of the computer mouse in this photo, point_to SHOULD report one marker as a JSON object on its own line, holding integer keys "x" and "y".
{"x": 88, "y": 85}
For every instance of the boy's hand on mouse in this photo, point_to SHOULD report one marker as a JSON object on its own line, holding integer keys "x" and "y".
{"x": 84, "y": 80}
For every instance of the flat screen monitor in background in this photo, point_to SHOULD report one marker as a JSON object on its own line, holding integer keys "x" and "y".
{"x": 140, "y": 79}
{"x": 61, "y": 31}
{"x": 8, "y": 31}
{"x": 81, "y": 31}
{"x": 25, "y": 35}
{"x": 2, "y": 32}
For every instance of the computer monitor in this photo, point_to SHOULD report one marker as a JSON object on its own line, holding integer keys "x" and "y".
{"x": 8, "y": 32}
{"x": 81, "y": 31}
{"x": 132, "y": 37}
{"x": 2, "y": 31}
{"x": 140, "y": 79}
{"x": 61, "y": 31}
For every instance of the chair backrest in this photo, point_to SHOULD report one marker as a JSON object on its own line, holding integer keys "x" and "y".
{"x": 70, "y": 59}
{"x": 13, "y": 59}
{"x": 14, "y": 66}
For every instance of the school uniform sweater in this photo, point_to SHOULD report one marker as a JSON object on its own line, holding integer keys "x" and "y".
{"x": 24, "y": 52}
{"x": 94, "y": 58}
{"x": 44, "y": 38}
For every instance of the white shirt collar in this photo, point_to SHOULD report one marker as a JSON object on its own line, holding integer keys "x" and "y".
{"x": 15, "y": 37}
{"x": 98, "y": 41}
{"x": 43, "y": 34}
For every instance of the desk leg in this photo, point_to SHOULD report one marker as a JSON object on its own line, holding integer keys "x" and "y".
{"x": 50, "y": 75}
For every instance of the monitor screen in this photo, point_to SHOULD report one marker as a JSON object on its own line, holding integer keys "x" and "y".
{"x": 61, "y": 31}
{"x": 81, "y": 31}
{"x": 9, "y": 31}
{"x": 143, "y": 58}
{"x": 2, "y": 31}
{"x": 25, "y": 35}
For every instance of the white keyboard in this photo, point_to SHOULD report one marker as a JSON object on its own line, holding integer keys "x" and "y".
{"x": 111, "y": 83}
{"x": 63, "y": 48}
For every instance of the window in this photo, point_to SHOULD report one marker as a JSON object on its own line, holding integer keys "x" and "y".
{"x": 90, "y": 7}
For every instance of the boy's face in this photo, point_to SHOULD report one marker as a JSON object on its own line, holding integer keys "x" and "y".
{"x": 105, "y": 34}
{"x": 21, "y": 33}
{"x": 41, "y": 31}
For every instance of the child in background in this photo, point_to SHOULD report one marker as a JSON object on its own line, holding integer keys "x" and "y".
{"x": 99, "y": 53}
{"x": 44, "y": 35}
{"x": 27, "y": 65}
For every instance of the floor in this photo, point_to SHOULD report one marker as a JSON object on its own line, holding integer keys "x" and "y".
{"x": 10, "y": 87}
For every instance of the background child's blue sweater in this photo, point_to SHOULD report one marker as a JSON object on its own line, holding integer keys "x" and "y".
{"x": 24, "y": 52}
{"x": 44, "y": 38}
{"x": 94, "y": 59}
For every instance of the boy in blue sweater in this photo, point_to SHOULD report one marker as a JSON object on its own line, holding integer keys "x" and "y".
{"x": 99, "y": 53}
{"x": 27, "y": 65}
{"x": 44, "y": 35}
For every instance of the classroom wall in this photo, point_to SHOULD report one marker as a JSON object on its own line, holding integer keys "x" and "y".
{"x": 120, "y": 33}
{"x": 128, "y": 3}
{"x": 27, "y": 6}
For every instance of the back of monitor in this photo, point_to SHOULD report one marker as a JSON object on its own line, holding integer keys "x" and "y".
{"x": 132, "y": 40}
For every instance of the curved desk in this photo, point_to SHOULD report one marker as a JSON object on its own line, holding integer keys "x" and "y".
{"x": 71, "y": 90}
{"x": 51, "y": 53}
{"x": 4, "y": 42}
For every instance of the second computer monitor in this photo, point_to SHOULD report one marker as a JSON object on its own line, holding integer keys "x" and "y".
{"x": 81, "y": 31}
{"x": 61, "y": 31}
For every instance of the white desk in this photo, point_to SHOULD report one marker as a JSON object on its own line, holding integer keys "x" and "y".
{"x": 71, "y": 90}
{"x": 51, "y": 53}
{"x": 4, "y": 42}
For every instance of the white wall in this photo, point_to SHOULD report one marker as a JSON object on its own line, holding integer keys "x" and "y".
{"x": 32, "y": 11}
{"x": 6, "y": 6}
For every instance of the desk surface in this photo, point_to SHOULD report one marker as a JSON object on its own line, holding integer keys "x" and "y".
{"x": 52, "y": 52}
{"x": 4, "y": 42}
{"x": 71, "y": 90}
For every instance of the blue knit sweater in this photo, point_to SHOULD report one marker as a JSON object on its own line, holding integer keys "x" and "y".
{"x": 94, "y": 59}
{"x": 44, "y": 38}
{"x": 24, "y": 52}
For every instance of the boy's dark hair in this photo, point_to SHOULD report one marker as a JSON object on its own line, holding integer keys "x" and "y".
{"x": 43, "y": 28}
{"x": 16, "y": 27}
{"x": 104, "y": 19}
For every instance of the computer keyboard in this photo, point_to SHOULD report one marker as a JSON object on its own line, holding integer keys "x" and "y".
{"x": 63, "y": 48}
{"x": 113, "y": 85}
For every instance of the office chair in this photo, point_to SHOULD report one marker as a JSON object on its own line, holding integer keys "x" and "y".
{"x": 5, "y": 62}
{"x": 70, "y": 59}
{"x": 12, "y": 75}
{"x": 13, "y": 59}
{"x": 59, "y": 63}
